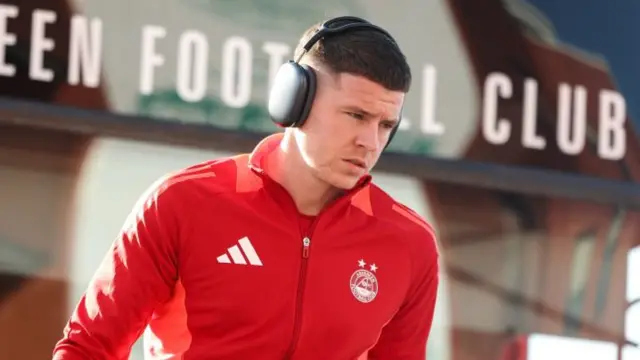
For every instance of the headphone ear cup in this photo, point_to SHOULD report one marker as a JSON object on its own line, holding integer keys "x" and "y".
{"x": 288, "y": 94}
{"x": 310, "y": 95}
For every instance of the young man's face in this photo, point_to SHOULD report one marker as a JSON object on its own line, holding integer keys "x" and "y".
{"x": 348, "y": 127}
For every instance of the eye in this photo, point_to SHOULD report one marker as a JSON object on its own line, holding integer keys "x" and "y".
{"x": 388, "y": 125}
{"x": 355, "y": 115}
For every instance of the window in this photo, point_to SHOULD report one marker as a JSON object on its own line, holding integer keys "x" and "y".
{"x": 533, "y": 273}
{"x": 37, "y": 173}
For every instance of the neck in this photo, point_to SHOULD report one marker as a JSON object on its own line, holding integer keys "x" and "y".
{"x": 286, "y": 166}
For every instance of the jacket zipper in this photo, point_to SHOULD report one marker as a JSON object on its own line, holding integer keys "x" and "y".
{"x": 306, "y": 249}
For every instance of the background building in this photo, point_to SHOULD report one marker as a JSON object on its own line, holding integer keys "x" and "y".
{"x": 537, "y": 204}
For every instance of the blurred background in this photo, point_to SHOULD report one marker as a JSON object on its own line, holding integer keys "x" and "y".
{"x": 521, "y": 145}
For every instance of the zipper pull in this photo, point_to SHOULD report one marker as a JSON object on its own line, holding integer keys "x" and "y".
{"x": 306, "y": 242}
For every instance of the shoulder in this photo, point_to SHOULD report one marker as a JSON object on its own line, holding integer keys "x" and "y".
{"x": 217, "y": 175}
{"x": 213, "y": 176}
{"x": 416, "y": 232}
{"x": 175, "y": 193}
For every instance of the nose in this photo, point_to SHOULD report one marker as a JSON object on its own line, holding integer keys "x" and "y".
{"x": 369, "y": 136}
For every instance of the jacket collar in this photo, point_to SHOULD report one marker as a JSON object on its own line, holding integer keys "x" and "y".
{"x": 359, "y": 195}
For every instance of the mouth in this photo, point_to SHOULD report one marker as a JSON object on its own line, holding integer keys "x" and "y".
{"x": 357, "y": 162}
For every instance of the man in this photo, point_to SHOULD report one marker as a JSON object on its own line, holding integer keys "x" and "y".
{"x": 289, "y": 252}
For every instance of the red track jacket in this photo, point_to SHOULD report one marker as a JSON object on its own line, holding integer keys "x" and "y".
{"x": 217, "y": 263}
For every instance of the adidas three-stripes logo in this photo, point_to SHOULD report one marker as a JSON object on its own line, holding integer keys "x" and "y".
{"x": 235, "y": 255}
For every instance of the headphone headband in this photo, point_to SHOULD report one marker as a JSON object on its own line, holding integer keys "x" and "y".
{"x": 294, "y": 87}
{"x": 325, "y": 29}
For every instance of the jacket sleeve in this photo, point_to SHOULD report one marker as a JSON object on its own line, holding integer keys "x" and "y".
{"x": 405, "y": 336}
{"x": 137, "y": 273}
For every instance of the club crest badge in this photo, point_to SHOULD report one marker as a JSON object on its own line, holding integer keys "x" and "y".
{"x": 364, "y": 284}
